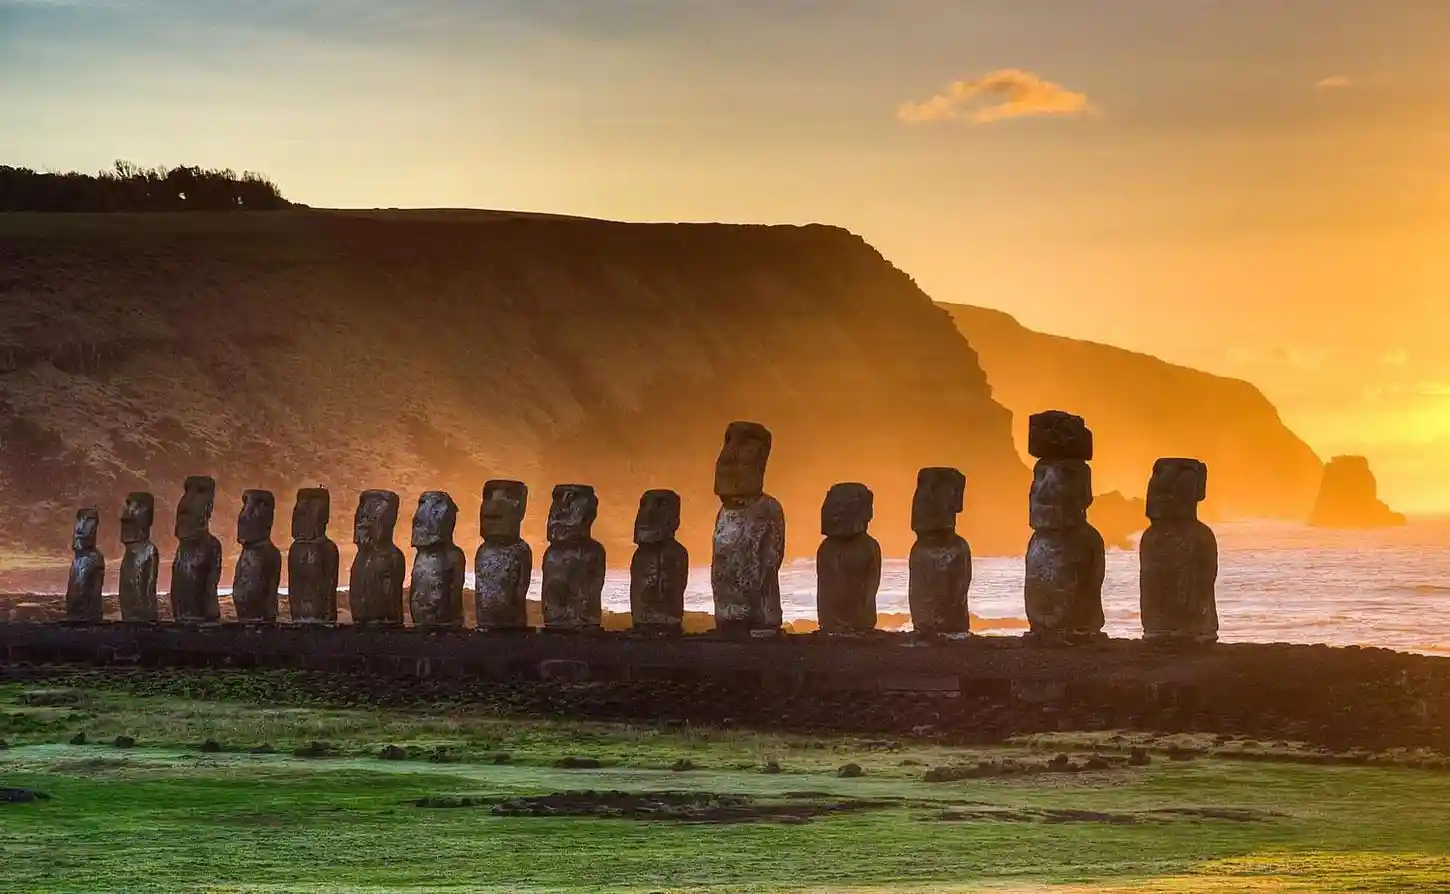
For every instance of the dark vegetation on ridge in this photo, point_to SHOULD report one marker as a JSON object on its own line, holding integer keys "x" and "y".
{"x": 129, "y": 187}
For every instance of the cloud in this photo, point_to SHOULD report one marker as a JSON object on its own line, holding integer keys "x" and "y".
{"x": 997, "y": 96}
{"x": 1336, "y": 82}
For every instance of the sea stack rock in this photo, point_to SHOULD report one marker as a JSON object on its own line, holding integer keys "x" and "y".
{"x": 1065, "y": 558}
{"x": 375, "y": 583}
{"x": 749, "y": 543}
{"x": 1178, "y": 556}
{"x": 504, "y": 562}
{"x": 848, "y": 562}
{"x": 258, "y": 573}
{"x": 435, "y": 594}
{"x": 83, "y": 604}
{"x": 1349, "y": 497}
{"x": 197, "y": 569}
{"x": 660, "y": 569}
{"x": 312, "y": 562}
{"x": 141, "y": 563}
{"x": 940, "y": 564}
{"x": 574, "y": 562}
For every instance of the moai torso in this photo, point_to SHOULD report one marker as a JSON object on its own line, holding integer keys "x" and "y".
{"x": 312, "y": 562}
{"x": 83, "y": 602}
{"x": 504, "y": 562}
{"x": 940, "y": 565}
{"x": 1178, "y": 557}
{"x": 749, "y": 543}
{"x": 1065, "y": 557}
{"x": 660, "y": 569}
{"x": 848, "y": 562}
{"x": 197, "y": 569}
{"x": 141, "y": 563}
{"x": 258, "y": 573}
{"x": 435, "y": 593}
{"x": 375, "y": 585}
{"x": 574, "y": 562}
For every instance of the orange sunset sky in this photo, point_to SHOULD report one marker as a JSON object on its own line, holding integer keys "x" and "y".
{"x": 1256, "y": 188}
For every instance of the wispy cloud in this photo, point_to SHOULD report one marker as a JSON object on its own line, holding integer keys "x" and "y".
{"x": 1336, "y": 82}
{"x": 997, "y": 96}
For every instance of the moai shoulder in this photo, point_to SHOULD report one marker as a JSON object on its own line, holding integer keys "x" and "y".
{"x": 312, "y": 562}
{"x": 435, "y": 593}
{"x": 660, "y": 569}
{"x": 848, "y": 562}
{"x": 504, "y": 563}
{"x": 376, "y": 581}
{"x": 196, "y": 570}
{"x": 83, "y": 600}
{"x": 258, "y": 575}
{"x": 1178, "y": 556}
{"x": 141, "y": 563}
{"x": 574, "y": 563}
{"x": 940, "y": 563}
{"x": 749, "y": 542}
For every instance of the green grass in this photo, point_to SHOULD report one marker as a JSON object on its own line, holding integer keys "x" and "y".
{"x": 165, "y": 817}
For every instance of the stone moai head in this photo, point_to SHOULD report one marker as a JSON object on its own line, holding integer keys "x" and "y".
{"x": 847, "y": 510}
{"x": 938, "y": 500}
{"x": 193, "y": 513}
{"x": 259, "y": 511}
{"x": 659, "y": 517}
{"x": 136, "y": 517}
{"x": 309, "y": 516}
{"x": 571, "y": 516}
{"x": 1058, "y": 435}
{"x": 376, "y": 517}
{"x": 1177, "y": 487}
{"x": 502, "y": 513}
{"x": 435, "y": 520}
{"x": 1062, "y": 491}
{"x": 740, "y": 469}
{"x": 88, "y": 524}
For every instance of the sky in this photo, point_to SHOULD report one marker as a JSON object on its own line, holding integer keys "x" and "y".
{"x": 1258, "y": 188}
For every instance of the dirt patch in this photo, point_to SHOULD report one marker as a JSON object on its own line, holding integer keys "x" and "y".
{"x": 1053, "y": 816}
{"x": 665, "y": 806}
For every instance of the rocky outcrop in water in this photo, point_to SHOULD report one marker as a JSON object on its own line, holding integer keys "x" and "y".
{"x": 1349, "y": 497}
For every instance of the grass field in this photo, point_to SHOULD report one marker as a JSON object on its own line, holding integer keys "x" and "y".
{"x": 745, "y": 811}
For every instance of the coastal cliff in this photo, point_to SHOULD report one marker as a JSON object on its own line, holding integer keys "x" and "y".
{"x": 415, "y": 351}
{"x": 1142, "y": 408}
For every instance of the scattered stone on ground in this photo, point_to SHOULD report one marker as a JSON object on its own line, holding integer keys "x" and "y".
{"x": 48, "y": 698}
{"x": 683, "y": 765}
{"x": 577, "y": 763}
{"x": 392, "y": 753}
{"x": 211, "y": 746}
{"x": 502, "y": 757}
{"x": 771, "y": 767}
{"x": 264, "y": 748}
{"x": 78, "y": 739}
{"x": 1060, "y": 815}
{"x": 687, "y": 807}
{"x": 1010, "y": 766}
{"x": 124, "y": 742}
{"x": 315, "y": 749}
{"x": 21, "y": 796}
{"x": 851, "y": 771}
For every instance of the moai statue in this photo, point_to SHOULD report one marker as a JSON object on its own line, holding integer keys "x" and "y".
{"x": 1178, "y": 557}
{"x": 197, "y": 569}
{"x": 504, "y": 562}
{"x": 660, "y": 568}
{"x": 1065, "y": 558}
{"x": 312, "y": 562}
{"x": 574, "y": 562}
{"x": 83, "y": 604}
{"x": 749, "y": 543}
{"x": 435, "y": 594}
{"x": 141, "y": 562}
{"x": 259, "y": 568}
{"x": 940, "y": 565}
{"x": 375, "y": 584}
{"x": 848, "y": 562}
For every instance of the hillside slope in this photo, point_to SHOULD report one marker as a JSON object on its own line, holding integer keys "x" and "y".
{"x": 435, "y": 351}
{"x": 1142, "y": 408}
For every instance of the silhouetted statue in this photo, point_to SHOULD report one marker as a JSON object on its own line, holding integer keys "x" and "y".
{"x": 435, "y": 594}
{"x": 141, "y": 563}
{"x": 941, "y": 561}
{"x": 258, "y": 574}
{"x": 312, "y": 562}
{"x": 83, "y": 603}
{"x": 749, "y": 543}
{"x": 660, "y": 569}
{"x": 197, "y": 569}
{"x": 848, "y": 562}
{"x": 504, "y": 562}
{"x": 1178, "y": 555}
{"x": 574, "y": 562}
{"x": 375, "y": 585}
{"x": 1065, "y": 558}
